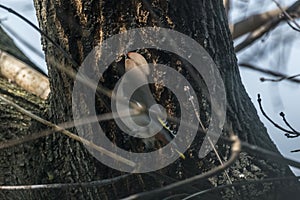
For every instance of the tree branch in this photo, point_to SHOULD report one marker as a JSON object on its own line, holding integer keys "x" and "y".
{"x": 242, "y": 183}
{"x": 293, "y": 10}
{"x": 253, "y": 22}
{"x": 65, "y": 185}
{"x": 270, "y": 72}
{"x": 235, "y": 151}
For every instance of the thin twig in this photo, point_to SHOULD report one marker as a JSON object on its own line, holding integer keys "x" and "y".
{"x": 242, "y": 183}
{"x": 287, "y": 123}
{"x": 266, "y": 154}
{"x": 65, "y": 185}
{"x": 24, "y": 42}
{"x": 280, "y": 79}
{"x": 256, "y": 34}
{"x": 266, "y": 27}
{"x": 294, "y": 151}
{"x": 65, "y": 53}
{"x": 175, "y": 196}
{"x": 286, "y": 14}
{"x": 253, "y": 149}
{"x": 268, "y": 118}
{"x": 289, "y": 135}
{"x": 269, "y": 72}
{"x": 64, "y": 125}
{"x": 245, "y": 146}
{"x": 57, "y": 128}
{"x": 69, "y": 71}
{"x": 235, "y": 151}
{"x": 294, "y": 28}
{"x": 253, "y": 22}
{"x": 191, "y": 99}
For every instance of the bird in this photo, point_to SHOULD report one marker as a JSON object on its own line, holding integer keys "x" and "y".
{"x": 153, "y": 117}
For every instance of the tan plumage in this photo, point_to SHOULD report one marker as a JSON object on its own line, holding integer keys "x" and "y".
{"x": 143, "y": 97}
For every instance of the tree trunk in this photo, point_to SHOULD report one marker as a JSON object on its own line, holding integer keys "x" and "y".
{"x": 78, "y": 26}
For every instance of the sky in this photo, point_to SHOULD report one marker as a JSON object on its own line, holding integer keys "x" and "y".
{"x": 25, "y": 7}
{"x": 280, "y": 55}
{"x": 277, "y": 97}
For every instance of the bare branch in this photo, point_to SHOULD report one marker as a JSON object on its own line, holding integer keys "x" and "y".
{"x": 197, "y": 114}
{"x": 253, "y": 22}
{"x": 296, "y": 133}
{"x": 235, "y": 151}
{"x": 266, "y": 154}
{"x": 253, "y": 36}
{"x": 288, "y": 134}
{"x": 226, "y": 4}
{"x": 41, "y": 32}
{"x": 25, "y": 43}
{"x": 294, "y": 28}
{"x": 253, "y": 149}
{"x": 242, "y": 183}
{"x": 175, "y": 196}
{"x": 293, "y": 10}
{"x": 281, "y": 79}
{"x": 269, "y": 119}
{"x": 294, "y": 151}
{"x": 286, "y": 14}
{"x": 248, "y": 147}
{"x": 69, "y": 134}
{"x": 23, "y": 75}
{"x": 65, "y": 125}
{"x": 65, "y": 185}
{"x": 270, "y": 72}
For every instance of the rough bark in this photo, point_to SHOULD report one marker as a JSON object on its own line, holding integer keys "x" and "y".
{"x": 78, "y": 26}
{"x": 19, "y": 163}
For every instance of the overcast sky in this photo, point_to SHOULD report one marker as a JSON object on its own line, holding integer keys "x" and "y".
{"x": 277, "y": 97}
{"x": 277, "y": 53}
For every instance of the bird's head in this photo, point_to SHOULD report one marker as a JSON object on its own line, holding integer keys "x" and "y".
{"x": 136, "y": 60}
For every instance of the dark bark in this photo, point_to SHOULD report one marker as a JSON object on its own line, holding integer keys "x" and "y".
{"x": 78, "y": 26}
{"x": 18, "y": 163}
